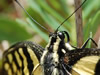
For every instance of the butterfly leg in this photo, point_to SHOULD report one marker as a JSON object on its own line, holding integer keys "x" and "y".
{"x": 68, "y": 73}
{"x": 84, "y": 45}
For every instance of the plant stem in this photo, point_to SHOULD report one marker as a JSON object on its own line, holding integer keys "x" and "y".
{"x": 79, "y": 26}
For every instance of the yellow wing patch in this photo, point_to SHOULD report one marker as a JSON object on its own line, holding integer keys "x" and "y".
{"x": 86, "y": 65}
{"x": 8, "y": 69}
{"x": 37, "y": 70}
{"x": 33, "y": 57}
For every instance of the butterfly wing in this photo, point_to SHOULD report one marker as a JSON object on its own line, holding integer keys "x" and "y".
{"x": 84, "y": 61}
{"x": 22, "y": 58}
{"x": 86, "y": 65}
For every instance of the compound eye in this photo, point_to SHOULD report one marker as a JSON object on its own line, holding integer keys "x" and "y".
{"x": 61, "y": 35}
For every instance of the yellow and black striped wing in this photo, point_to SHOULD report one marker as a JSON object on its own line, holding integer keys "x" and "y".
{"x": 87, "y": 66}
{"x": 22, "y": 58}
{"x": 84, "y": 61}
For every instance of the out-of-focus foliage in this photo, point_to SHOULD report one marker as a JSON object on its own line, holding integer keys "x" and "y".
{"x": 12, "y": 31}
{"x": 50, "y": 14}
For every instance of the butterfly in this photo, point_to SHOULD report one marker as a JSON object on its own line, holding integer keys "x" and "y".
{"x": 57, "y": 58}
{"x": 28, "y": 58}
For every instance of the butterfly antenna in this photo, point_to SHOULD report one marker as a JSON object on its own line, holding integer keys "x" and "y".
{"x": 31, "y": 16}
{"x": 70, "y": 15}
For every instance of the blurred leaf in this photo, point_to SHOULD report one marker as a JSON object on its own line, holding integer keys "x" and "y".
{"x": 90, "y": 6}
{"x": 36, "y": 29}
{"x": 92, "y": 25}
{"x": 53, "y": 23}
{"x": 89, "y": 43}
{"x": 10, "y": 30}
{"x": 42, "y": 6}
{"x": 49, "y": 13}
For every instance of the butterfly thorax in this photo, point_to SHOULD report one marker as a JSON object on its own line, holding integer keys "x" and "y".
{"x": 53, "y": 53}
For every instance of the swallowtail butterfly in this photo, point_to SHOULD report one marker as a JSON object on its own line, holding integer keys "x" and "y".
{"x": 57, "y": 58}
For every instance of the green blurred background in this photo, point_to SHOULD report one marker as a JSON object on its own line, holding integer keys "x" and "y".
{"x": 16, "y": 26}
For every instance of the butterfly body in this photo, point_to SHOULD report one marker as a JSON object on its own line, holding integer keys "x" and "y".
{"x": 53, "y": 54}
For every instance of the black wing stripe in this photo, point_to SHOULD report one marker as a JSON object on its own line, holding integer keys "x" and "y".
{"x": 29, "y": 60}
{"x": 97, "y": 69}
{"x": 25, "y": 63}
{"x": 22, "y": 68}
{"x": 15, "y": 63}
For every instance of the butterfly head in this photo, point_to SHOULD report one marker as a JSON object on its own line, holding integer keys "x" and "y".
{"x": 57, "y": 35}
{"x": 57, "y": 41}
